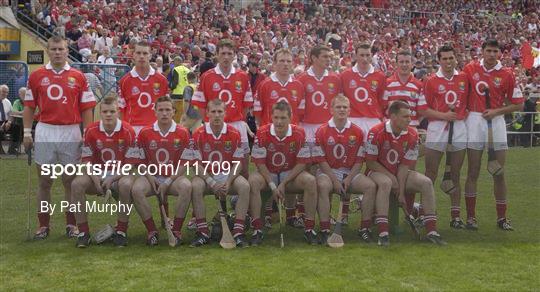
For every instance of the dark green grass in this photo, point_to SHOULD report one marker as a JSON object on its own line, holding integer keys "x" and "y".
{"x": 485, "y": 260}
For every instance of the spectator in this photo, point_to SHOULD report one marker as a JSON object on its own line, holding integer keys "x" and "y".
{"x": 84, "y": 43}
{"x": 17, "y": 126}
{"x": 5, "y": 114}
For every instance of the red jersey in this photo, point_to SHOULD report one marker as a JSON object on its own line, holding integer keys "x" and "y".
{"x": 225, "y": 147}
{"x": 171, "y": 148}
{"x": 60, "y": 96}
{"x": 138, "y": 96}
{"x": 389, "y": 150}
{"x": 271, "y": 91}
{"x": 365, "y": 92}
{"x": 499, "y": 80}
{"x": 318, "y": 95}
{"x": 440, "y": 93}
{"x": 280, "y": 154}
{"x": 340, "y": 149}
{"x": 100, "y": 147}
{"x": 410, "y": 91}
{"x": 234, "y": 90}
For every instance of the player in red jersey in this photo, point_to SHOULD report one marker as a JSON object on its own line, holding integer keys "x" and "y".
{"x": 280, "y": 86}
{"x": 504, "y": 97}
{"x": 231, "y": 86}
{"x": 281, "y": 153}
{"x": 140, "y": 88}
{"x": 364, "y": 86}
{"x": 338, "y": 150}
{"x": 391, "y": 151}
{"x": 218, "y": 146}
{"x": 165, "y": 146}
{"x": 106, "y": 142}
{"x": 61, "y": 93}
{"x": 403, "y": 86}
{"x": 446, "y": 95}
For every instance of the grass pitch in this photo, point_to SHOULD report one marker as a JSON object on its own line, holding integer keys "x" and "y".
{"x": 488, "y": 259}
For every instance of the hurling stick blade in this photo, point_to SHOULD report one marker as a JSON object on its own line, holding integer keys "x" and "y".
{"x": 227, "y": 240}
{"x": 170, "y": 235}
{"x": 336, "y": 239}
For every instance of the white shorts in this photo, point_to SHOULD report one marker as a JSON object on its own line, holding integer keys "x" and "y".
{"x": 57, "y": 144}
{"x": 340, "y": 173}
{"x": 437, "y": 136}
{"x": 137, "y": 130}
{"x": 282, "y": 176}
{"x": 241, "y": 127}
{"x": 477, "y": 132}
{"x": 310, "y": 130}
{"x": 365, "y": 124}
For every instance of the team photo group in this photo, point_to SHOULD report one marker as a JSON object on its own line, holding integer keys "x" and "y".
{"x": 319, "y": 135}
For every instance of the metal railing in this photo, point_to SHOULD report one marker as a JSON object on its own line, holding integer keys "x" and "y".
{"x": 102, "y": 78}
{"x": 14, "y": 74}
{"x": 530, "y": 132}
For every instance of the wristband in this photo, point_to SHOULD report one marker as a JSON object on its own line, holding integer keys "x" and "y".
{"x": 272, "y": 186}
{"x": 210, "y": 181}
{"x": 168, "y": 181}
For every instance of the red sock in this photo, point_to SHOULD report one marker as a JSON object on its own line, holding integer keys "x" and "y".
{"x": 470, "y": 204}
{"x": 325, "y": 226}
{"x": 430, "y": 221}
{"x": 202, "y": 227}
{"x": 409, "y": 201}
{"x": 44, "y": 219}
{"x": 501, "y": 209}
{"x": 121, "y": 226}
{"x": 256, "y": 224}
{"x": 455, "y": 212}
{"x": 290, "y": 212}
{"x": 308, "y": 224}
{"x": 83, "y": 227}
{"x": 150, "y": 225}
{"x": 345, "y": 210}
{"x": 166, "y": 207}
{"x": 382, "y": 223}
{"x": 365, "y": 224}
{"x": 238, "y": 227}
{"x": 300, "y": 208}
{"x": 177, "y": 224}
{"x": 70, "y": 218}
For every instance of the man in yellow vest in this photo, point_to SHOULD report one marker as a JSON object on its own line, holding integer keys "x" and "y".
{"x": 191, "y": 118}
{"x": 178, "y": 83}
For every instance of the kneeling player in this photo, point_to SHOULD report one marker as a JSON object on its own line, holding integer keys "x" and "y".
{"x": 218, "y": 146}
{"x": 339, "y": 152}
{"x": 281, "y": 153}
{"x": 446, "y": 97}
{"x": 163, "y": 144}
{"x": 105, "y": 141}
{"x": 391, "y": 150}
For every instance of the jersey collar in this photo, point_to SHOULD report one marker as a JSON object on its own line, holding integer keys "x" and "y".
{"x": 331, "y": 124}
{"x": 273, "y": 132}
{"x": 497, "y": 67}
{"x": 274, "y": 78}
{"x": 135, "y": 74}
{"x": 312, "y": 74}
{"x": 441, "y": 75}
{"x": 218, "y": 71}
{"x": 388, "y": 129}
{"x": 116, "y": 128}
{"x": 171, "y": 129}
{"x": 65, "y": 68}
{"x": 210, "y": 132}
{"x": 370, "y": 71}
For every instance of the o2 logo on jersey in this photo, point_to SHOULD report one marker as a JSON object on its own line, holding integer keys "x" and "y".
{"x": 318, "y": 99}
{"x": 279, "y": 160}
{"x": 162, "y": 156}
{"x": 107, "y": 154}
{"x": 226, "y": 96}
{"x": 392, "y": 156}
{"x": 145, "y": 100}
{"x": 56, "y": 92}
{"x": 451, "y": 98}
{"x": 361, "y": 95}
{"x": 339, "y": 151}
{"x": 215, "y": 156}
{"x": 480, "y": 87}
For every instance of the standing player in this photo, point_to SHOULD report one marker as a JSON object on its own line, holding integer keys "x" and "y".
{"x": 140, "y": 89}
{"x": 281, "y": 153}
{"x": 403, "y": 86}
{"x": 61, "y": 93}
{"x": 489, "y": 74}
{"x": 280, "y": 86}
{"x": 108, "y": 140}
{"x": 218, "y": 145}
{"x": 164, "y": 146}
{"x": 391, "y": 151}
{"x": 230, "y": 85}
{"x": 339, "y": 152}
{"x": 446, "y": 96}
